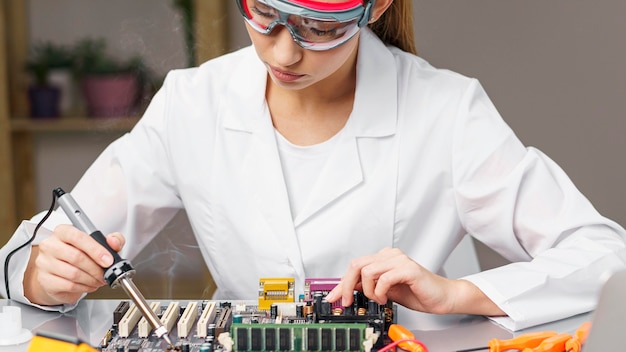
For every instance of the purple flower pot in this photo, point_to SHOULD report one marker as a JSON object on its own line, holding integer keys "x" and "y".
{"x": 44, "y": 101}
{"x": 110, "y": 95}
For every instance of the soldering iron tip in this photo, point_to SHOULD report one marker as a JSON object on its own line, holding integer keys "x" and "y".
{"x": 167, "y": 339}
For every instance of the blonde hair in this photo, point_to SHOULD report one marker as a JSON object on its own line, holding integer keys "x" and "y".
{"x": 395, "y": 26}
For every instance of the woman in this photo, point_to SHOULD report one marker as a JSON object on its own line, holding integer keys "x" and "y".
{"x": 328, "y": 149}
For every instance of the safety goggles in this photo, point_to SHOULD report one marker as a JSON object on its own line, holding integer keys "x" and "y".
{"x": 314, "y": 25}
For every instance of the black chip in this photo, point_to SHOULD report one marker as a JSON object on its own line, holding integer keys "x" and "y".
{"x": 242, "y": 339}
{"x": 340, "y": 339}
{"x": 311, "y": 339}
{"x": 327, "y": 339}
{"x": 270, "y": 339}
{"x": 256, "y": 339}
{"x": 284, "y": 339}
{"x": 355, "y": 340}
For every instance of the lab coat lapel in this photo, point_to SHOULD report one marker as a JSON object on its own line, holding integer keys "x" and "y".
{"x": 264, "y": 179}
{"x": 374, "y": 115}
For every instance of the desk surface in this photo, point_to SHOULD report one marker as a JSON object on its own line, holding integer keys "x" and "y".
{"x": 92, "y": 318}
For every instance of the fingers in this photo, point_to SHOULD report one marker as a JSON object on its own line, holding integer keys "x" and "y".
{"x": 375, "y": 275}
{"x": 389, "y": 268}
{"x": 84, "y": 243}
{"x": 116, "y": 241}
{"x": 63, "y": 279}
{"x": 358, "y": 277}
{"x": 70, "y": 263}
{"x": 69, "y": 254}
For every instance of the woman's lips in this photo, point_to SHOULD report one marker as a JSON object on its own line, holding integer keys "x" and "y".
{"x": 285, "y": 76}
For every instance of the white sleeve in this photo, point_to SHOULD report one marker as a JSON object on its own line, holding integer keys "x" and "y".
{"x": 520, "y": 203}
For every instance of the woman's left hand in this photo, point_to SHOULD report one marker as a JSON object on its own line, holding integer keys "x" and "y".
{"x": 392, "y": 275}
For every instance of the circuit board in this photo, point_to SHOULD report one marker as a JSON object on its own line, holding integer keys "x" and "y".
{"x": 206, "y": 326}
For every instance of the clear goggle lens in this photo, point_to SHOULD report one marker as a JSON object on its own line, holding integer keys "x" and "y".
{"x": 311, "y": 29}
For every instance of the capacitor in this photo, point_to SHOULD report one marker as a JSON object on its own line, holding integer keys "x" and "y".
{"x": 326, "y": 306}
{"x": 120, "y": 348}
{"x": 317, "y": 305}
{"x": 300, "y": 311}
{"x": 237, "y": 318}
{"x": 372, "y": 307}
{"x": 211, "y": 330}
{"x": 349, "y": 310}
{"x": 206, "y": 347}
{"x": 185, "y": 347}
{"x": 307, "y": 310}
{"x": 273, "y": 311}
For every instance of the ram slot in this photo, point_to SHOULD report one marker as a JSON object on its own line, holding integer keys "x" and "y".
{"x": 129, "y": 320}
{"x": 187, "y": 319}
{"x": 144, "y": 328}
{"x": 206, "y": 318}
{"x": 171, "y": 314}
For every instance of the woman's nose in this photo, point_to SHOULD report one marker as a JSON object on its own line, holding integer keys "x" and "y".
{"x": 286, "y": 50}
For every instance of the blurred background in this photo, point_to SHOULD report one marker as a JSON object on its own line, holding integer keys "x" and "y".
{"x": 555, "y": 70}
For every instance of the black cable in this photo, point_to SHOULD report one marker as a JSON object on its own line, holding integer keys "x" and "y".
{"x": 6, "y": 261}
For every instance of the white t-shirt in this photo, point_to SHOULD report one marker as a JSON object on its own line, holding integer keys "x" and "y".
{"x": 302, "y": 166}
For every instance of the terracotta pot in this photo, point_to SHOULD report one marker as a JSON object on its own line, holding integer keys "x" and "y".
{"x": 110, "y": 95}
{"x": 44, "y": 101}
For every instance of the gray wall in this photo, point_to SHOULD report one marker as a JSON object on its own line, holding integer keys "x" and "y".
{"x": 557, "y": 72}
{"x": 555, "y": 69}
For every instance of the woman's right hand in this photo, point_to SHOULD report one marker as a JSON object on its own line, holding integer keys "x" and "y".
{"x": 66, "y": 265}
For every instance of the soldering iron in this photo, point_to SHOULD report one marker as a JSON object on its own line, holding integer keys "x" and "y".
{"x": 120, "y": 273}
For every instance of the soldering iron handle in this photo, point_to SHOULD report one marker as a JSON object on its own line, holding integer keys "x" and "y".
{"x": 99, "y": 237}
{"x": 82, "y": 222}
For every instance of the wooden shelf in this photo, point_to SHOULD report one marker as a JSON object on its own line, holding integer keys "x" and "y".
{"x": 74, "y": 124}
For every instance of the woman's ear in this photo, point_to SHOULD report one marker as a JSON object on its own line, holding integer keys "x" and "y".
{"x": 380, "y": 6}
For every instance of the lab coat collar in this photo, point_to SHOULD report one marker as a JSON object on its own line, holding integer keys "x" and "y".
{"x": 244, "y": 110}
{"x": 375, "y": 105}
{"x": 375, "y": 108}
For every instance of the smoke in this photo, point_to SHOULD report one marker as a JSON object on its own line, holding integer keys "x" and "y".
{"x": 171, "y": 265}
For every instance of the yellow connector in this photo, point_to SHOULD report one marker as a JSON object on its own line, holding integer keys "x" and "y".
{"x": 44, "y": 342}
{"x": 275, "y": 290}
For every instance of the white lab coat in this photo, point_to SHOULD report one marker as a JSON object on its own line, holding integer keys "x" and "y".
{"x": 423, "y": 159}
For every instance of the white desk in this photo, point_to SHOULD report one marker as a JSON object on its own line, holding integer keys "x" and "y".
{"x": 92, "y": 318}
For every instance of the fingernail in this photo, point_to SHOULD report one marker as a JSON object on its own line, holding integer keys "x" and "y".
{"x": 107, "y": 259}
{"x": 331, "y": 296}
{"x": 119, "y": 243}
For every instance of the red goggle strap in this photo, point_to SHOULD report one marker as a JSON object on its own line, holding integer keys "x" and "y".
{"x": 329, "y": 6}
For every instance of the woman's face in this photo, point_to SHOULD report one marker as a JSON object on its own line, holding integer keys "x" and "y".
{"x": 293, "y": 67}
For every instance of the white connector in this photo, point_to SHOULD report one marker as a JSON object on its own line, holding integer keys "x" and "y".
{"x": 226, "y": 341}
{"x": 207, "y": 316}
{"x": 187, "y": 319}
{"x": 144, "y": 327}
{"x": 129, "y": 320}
{"x": 171, "y": 314}
{"x": 370, "y": 339}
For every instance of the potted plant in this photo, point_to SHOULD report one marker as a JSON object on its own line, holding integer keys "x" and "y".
{"x": 110, "y": 86}
{"x": 44, "y": 95}
{"x": 186, "y": 8}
